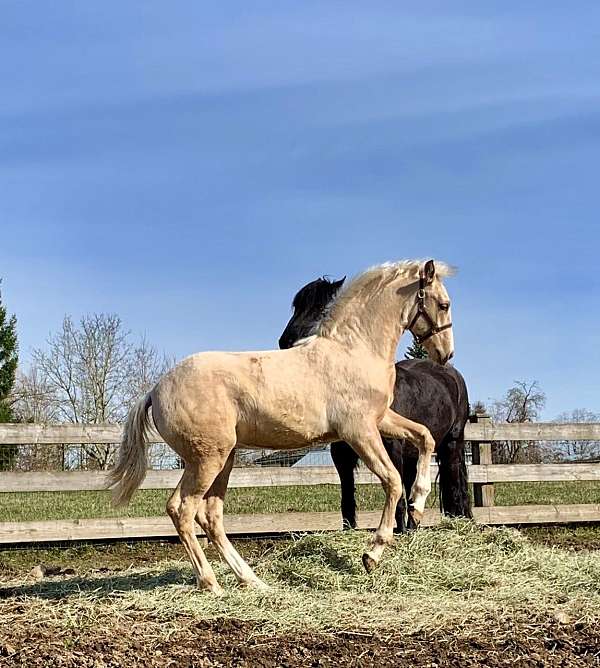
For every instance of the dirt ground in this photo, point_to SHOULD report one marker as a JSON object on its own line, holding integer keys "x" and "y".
{"x": 237, "y": 644}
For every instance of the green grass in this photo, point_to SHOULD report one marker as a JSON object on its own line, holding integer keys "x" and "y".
{"x": 31, "y": 506}
{"x": 546, "y": 493}
{"x": 457, "y": 578}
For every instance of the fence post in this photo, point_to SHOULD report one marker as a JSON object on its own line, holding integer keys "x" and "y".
{"x": 483, "y": 493}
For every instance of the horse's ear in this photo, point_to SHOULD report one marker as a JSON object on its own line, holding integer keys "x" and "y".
{"x": 429, "y": 271}
{"x": 338, "y": 284}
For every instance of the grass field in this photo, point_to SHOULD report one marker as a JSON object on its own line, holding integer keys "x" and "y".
{"x": 21, "y": 507}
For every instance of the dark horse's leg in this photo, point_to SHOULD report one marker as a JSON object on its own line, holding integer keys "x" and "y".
{"x": 410, "y": 475}
{"x": 346, "y": 460}
{"x": 454, "y": 489}
{"x": 396, "y": 450}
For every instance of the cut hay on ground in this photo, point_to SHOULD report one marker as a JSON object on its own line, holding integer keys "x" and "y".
{"x": 456, "y": 578}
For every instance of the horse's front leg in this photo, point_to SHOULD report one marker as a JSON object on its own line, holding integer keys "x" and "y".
{"x": 397, "y": 426}
{"x": 369, "y": 447}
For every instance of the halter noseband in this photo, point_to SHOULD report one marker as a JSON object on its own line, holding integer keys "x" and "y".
{"x": 422, "y": 313}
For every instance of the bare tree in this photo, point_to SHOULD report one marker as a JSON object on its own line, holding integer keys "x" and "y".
{"x": 33, "y": 398}
{"x": 93, "y": 373}
{"x": 575, "y": 450}
{"x": 522, "y": 402}
{"x": 478, "y": 408}
{"x": 144, "y": 366}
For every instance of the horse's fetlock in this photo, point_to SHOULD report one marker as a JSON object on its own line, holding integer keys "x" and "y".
{"x": 383, "y": 536}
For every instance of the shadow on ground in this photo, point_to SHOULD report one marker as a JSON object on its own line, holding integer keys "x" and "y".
{"x": 101, "y": 586}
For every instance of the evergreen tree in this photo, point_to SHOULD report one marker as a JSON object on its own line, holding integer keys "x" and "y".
{"x": 8, "y": 369}
{"x": 8, "y": 360}
{"x": 415, "y": 351}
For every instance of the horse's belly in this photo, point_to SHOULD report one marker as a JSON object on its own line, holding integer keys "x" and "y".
{"x": 270, "y": 432}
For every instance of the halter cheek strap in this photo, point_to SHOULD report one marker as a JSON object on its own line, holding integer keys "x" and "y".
{"x": 421, "y": 312}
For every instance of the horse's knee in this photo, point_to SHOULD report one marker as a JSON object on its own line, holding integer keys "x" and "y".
{"x": 393, "y": 484}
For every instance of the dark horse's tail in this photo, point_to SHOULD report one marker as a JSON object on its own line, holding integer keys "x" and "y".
{"x": 454, "y": 489}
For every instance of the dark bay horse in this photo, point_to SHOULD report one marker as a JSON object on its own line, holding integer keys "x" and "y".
{"x": 425, "y": 392}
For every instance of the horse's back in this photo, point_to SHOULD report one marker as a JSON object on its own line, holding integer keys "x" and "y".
{"x": 265, "y": 398}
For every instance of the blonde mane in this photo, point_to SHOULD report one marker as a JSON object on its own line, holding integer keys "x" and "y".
{"x": 371, "y": 281}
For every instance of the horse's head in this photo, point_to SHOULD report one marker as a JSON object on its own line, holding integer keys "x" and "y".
{"x": 309, "y": 305}
{"x": 431, "y": 322}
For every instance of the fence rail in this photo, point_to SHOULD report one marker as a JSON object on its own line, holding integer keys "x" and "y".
{"x": 162, "y": 527}
{"x": 73, "y": 481}
{"x": 42, "y": 434}
{"x": 483, "y": 474}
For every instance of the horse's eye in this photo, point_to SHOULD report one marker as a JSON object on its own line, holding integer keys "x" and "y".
{"x": 444, "y": 307}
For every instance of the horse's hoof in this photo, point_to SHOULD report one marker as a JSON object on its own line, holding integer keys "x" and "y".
{"x": 212, "y": 587}
{"x": 412, "y": 526}
{"x": 257, "y": 584}
{"x": 368, "y": 562}
{"x": 414, "y": 518}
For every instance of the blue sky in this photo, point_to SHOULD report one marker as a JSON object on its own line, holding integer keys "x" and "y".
{"x": 189, "y": 166}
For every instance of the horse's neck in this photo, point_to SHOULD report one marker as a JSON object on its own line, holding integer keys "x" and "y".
{"x": 374, "y": 327}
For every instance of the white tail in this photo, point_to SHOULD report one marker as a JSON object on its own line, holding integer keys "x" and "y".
{"x": 131, "y": 468}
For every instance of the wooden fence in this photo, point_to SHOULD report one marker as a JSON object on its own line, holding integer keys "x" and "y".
{"x": 482, "y": 473}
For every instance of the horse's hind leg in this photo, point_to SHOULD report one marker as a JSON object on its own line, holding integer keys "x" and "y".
{"x": 210, "y": 517}
{"x": 185, "y": 502}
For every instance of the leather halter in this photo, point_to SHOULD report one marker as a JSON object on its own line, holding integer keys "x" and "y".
{"x": 422, "y": 313}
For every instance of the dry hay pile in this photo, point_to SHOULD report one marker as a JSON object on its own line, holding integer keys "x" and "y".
{"x": 458, "y": 582}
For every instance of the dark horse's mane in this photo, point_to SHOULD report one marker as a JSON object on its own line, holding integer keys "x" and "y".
{"x": 424, "y": 392}
{"x": 311, "y": 301}
{"x": 314, "y": 295}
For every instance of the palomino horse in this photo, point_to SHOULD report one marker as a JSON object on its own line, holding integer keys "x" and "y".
{"x": 337, "y": 384}
{"x": 424, "y": 391}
